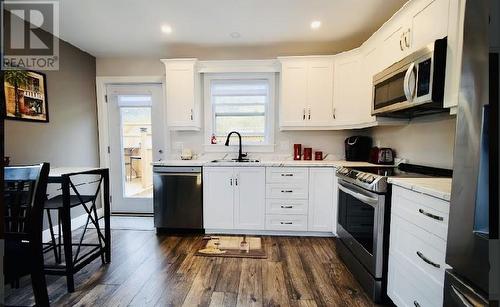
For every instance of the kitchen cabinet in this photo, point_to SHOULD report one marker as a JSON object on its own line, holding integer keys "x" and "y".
{"x": 306, "y": 92}
{"x": 417, "y": 248}
{"x": 218, "y": 199}
{"x": 321, "y": 199}
{"x": 234, "y": 198}
{"x": 250, "y": 197}
{"x": 352, "y": 90}
{"x": 429, "y": 22}
{"x": 182, "y": 85}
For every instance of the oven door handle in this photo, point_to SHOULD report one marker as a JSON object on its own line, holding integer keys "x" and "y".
{"x": 372, "y": 201}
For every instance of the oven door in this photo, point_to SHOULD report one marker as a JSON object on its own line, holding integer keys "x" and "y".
{"x": 361, "y": 225}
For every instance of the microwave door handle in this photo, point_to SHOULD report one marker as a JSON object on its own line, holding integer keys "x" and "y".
{"x": 366, "y": 199}
{"x": 406, "y": 85}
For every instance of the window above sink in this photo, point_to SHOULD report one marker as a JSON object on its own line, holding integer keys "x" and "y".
{"x": 242, "y": 102}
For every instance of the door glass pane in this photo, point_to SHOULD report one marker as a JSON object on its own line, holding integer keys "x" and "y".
{"x": 357, "y": 218}
{"x": 137, "y": 152}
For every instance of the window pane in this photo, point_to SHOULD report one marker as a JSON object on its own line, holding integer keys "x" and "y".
{"x": 239, "y": 99}
{"x": 222, "y": 109}
{"x": 248, "y": 125}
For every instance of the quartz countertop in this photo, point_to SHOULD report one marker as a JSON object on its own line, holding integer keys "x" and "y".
{"x": 269, "y": 163}
{"x": 437, "y": 187}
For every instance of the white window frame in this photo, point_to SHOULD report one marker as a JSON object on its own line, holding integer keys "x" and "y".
{"x": 209, "y": 116}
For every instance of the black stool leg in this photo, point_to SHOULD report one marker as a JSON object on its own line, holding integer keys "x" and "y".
{"x": 60, "y": 235}
{"x": 52, "y": 236}
{"x": 98, "y": 229}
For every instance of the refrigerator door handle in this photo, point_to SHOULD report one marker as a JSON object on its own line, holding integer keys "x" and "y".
{"x": 461, "y": 298}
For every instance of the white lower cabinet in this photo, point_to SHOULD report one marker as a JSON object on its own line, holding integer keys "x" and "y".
{"x": 280, "y": 199}
{"x": 249, "y": 198}
{"x": 321, "y": 184}
{"x": 417, "y": 249}
{"x": 234, "y": 198}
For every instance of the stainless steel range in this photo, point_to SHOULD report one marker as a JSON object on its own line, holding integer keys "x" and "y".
{"x": 363, "y": 220}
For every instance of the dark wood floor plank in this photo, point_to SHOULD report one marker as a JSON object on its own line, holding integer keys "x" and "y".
{"x": 274, "y": 291}
{"x": 250, "y": 285}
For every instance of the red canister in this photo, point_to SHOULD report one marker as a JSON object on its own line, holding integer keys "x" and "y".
{"x": 307, "y": 153}
{"x": 297, "y": 151}
{"x": 318, "y": 155}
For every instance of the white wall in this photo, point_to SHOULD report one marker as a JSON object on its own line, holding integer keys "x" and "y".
{"x": 426, "y": 140}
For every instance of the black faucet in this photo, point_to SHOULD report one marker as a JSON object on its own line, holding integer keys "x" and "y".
{"x": 240, "y": 154}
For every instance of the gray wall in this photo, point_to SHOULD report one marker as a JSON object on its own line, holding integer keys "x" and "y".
{"x": 70, "y": 138}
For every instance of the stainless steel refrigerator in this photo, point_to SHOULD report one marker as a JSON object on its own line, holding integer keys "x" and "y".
{"x": 471, "y": 232}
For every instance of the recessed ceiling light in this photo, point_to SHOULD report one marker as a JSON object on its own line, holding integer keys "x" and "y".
{"x": 315, "y": 24}
{"x": 166, "y": 29}
{"x": 235, "y": 35}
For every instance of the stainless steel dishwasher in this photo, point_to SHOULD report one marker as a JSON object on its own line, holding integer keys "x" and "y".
{"x": 178, "y": 199}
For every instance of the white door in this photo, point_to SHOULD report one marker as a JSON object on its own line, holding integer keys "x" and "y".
{"x": 321, "y": 185}
{"x": 319, "y": 110}
{"x": 249, "y": 198}
{"x": 136, "y": 138}
{"x": 218, "y": 196}
{"x": 293, "y": 93}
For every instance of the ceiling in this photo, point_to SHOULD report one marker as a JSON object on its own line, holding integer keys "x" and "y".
{"x": 114, "y": 28}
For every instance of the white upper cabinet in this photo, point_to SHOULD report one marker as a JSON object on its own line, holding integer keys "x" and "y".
{"x": 429, "y": 22}
{"x": 306, "y": 92}
{"x": 321, "y": 184}
{"x": 249, "y": 198}
{"x": 182, "y": 94}
{"x": 352, "y": 94}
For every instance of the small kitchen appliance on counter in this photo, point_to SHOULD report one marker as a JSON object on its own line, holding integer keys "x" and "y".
{"x": 382, "y": 156}
{"x": 357, "y": 148}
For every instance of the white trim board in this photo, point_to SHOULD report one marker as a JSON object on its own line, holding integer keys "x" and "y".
{"x": 271, "y": 233}
{"x": 76, "y": 223}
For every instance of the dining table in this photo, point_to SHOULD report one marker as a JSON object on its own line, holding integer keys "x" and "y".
{"x": 71, "y": 191}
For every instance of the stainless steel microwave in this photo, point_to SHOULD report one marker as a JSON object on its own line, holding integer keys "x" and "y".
{"x": 414, "y": 85}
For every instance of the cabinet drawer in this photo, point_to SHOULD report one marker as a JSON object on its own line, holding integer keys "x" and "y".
{"x": 408, "y": 286}
{"x": 286, "y": 222}
{"x": 286, "y": 191}
{"x": 286, "y": 206}
{"x": 425, "y": 211}
{"x": 422, "y": 248}
{"x": 287, "y": 175}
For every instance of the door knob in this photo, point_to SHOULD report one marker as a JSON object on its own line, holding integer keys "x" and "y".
{"x": 160, "y": 151}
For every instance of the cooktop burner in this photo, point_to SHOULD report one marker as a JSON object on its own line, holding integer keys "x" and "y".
{"x": 375, "y": 178}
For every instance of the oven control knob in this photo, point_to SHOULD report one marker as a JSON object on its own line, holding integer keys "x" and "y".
{"x": 370, "y": 179}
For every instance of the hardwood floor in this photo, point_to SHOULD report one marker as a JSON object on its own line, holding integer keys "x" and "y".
{"x": 151, "y": 270}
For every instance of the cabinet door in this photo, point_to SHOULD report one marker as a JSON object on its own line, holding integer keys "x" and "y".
{"x": 352, "y": 105}
{"x": 293, "y": 93}
{"x": 429, "y": 22}
{"x": 321, "y": 184}
{"x": 250, "y": 198}
{"x": 393, "y": 48}
{"x": 181, "y": 94}
{"x": 319, "y": 110}
{"x": 218, "y": 183}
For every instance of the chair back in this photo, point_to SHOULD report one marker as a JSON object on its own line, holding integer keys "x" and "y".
{"x": 25, "y": 190}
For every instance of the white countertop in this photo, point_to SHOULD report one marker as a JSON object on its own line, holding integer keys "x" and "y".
{"x": 437, "y": 187}
{"x": 269, "y": 163}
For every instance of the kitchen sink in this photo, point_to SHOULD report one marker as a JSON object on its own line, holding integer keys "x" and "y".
{"x": 234, "y": 161}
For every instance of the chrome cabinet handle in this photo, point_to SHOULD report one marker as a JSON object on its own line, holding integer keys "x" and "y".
{"x": 286, "y": 191}
{"x": 286, "y": 207}
{"x": 304, "y": 114}
{"x": 286, "y": 223}
{"x": 426, "y": 260}
{"x": 231, "y": 181}
{"x": 432, "y": 216}
{"x": 416, "y": 304}
{"x": 191, "y": 114}
{"x": 334, "y": 116}
{"x": 236, "y": 181}
{"x": 286, "y": 175}
{"x": 401, "y": 42}
{"x": 309, "y": 116}
{"x": 407, "y": 40}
